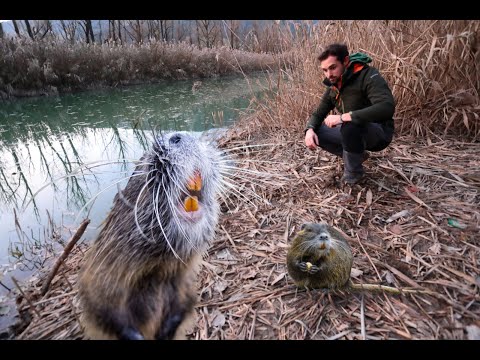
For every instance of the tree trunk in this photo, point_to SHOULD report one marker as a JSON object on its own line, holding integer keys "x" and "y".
{"x": 149, "y": 30}
{"x": 1, "y": 31}
{"x": 48, "y": 28}
{"x": 139, "y": 32}
{"x": 90, "y": 29}
{"x": 70, "y": 30}
{"x": 29, "y": 29}
{"x": 100, "y": 35}
{"x": 232, "y": 38}
{"x": 198, "y": 33}
{"x": 125, "y": 38}
{"x": 84, "y": 26}
{"x": 119, "y": 31}
{"x": 162, "y": 31}
{"x": 111, "y": 30}
{"x": 15, "y": 26}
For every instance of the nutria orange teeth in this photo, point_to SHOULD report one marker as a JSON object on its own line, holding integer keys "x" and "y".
{"x": 191, "y": 204}
{"x": 195, "y": 182}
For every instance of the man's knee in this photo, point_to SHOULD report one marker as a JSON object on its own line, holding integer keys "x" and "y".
{"x": 329, "y": 140}
{"x": 351, "y": 130}
{"x": 353, "y": 137}
{"x": 326, "y": 134}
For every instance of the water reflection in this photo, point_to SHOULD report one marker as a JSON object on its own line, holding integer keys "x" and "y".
{"x": 94, "y": 135}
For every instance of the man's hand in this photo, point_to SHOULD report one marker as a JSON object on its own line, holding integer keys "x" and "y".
{"x": 311, "y": 139}
{"x": 332, "y": 120}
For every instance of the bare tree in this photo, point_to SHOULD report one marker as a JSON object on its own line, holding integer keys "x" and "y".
{"x": 88, "y": 30}
{"x": 252, "y": 37}
{"x": 138, "y": 29}
{"x": 270, "y": 39}
{"x": 150, "y": 29}
{"x": 88, "y": 25}
{"x": 1, "y": 30}
{"x": 208, "y": 33}
{"x": 111, "y": 30}
{"x": 154, "y": 30}
{"x": 162, "y": 29}
{"x": 136, "y": 34}
{"x": 15, "y": 26}
{"x": 166, "y": 30}
{"x": 115, "y": 30}
{"x": 29, "y": 29}
{"x": 183, "y": 31}
{"x": 232, "y": 28}
{"x": 100, "y": 31}
{"x": 119, "y": 24}
{"x": 69, "y": 30}
{"x": 41, "y": 28}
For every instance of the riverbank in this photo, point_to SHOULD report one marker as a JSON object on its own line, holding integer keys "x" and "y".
{"x": 414, "y": 223}
{"x": 50, "y": 67}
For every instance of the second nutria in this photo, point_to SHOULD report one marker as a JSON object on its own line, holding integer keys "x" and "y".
{"x": 320, "y": 258}
{"x": 138, "y": 279}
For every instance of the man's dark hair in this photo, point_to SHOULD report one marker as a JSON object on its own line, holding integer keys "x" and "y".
{"x": 338, "y": 50}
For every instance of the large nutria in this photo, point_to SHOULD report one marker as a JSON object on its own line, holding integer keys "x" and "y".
{"x": 138, "y": 279}
{"x": 320, "y": 258}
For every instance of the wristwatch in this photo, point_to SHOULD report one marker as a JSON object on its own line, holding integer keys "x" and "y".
{"x": 341, "y": 120}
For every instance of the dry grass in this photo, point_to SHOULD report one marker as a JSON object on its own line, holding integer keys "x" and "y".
{"x": 415, "y": 222}
{"x": 431, "y": 66}
{"x": 245, "y": 291}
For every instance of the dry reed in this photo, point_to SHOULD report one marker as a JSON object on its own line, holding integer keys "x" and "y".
{"x": 431, "y": 66}
{"x": 414, "y": 223}
{"x": 30, "y": 68}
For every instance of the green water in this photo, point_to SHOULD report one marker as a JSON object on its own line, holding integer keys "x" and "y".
{"x": 43, "y": 139}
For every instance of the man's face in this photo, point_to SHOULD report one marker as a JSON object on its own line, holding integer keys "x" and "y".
{"x": 332, "y": 68}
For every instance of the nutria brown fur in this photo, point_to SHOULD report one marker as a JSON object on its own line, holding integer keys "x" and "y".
{"x": 138, "y": 279}
{"x": 319, "y": 257}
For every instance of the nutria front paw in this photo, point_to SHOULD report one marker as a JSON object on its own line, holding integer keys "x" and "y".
{"x": 307, "y": 267}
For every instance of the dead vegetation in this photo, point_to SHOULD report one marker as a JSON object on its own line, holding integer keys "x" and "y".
{"x": 32, "y": 68}
{"x": 414, "y": 223}
{"x": 431, "y": 66}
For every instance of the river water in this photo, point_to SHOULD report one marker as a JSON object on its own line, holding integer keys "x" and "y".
{"x": 43, "y": 139}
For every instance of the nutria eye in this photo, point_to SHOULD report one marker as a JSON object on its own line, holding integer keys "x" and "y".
{"x": 175, "y": 139}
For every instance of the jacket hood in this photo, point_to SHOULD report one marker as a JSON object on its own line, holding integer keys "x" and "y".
{"x": 360, "y": 57}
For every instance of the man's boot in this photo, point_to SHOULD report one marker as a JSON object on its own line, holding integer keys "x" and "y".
{"x": 353, "y": 169}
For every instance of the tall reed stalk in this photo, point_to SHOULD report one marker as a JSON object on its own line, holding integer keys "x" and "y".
{"x": 433, "y": 68}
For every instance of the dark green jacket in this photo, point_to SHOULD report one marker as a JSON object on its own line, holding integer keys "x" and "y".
{"x": 364, "y": 92}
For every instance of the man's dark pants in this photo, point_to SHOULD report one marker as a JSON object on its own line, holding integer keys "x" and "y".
{"x": 350, "y": 141}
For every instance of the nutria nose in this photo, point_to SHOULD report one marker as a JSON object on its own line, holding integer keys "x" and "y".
{"x": 323, "y": 237}
{"x": 175, "y": 139}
